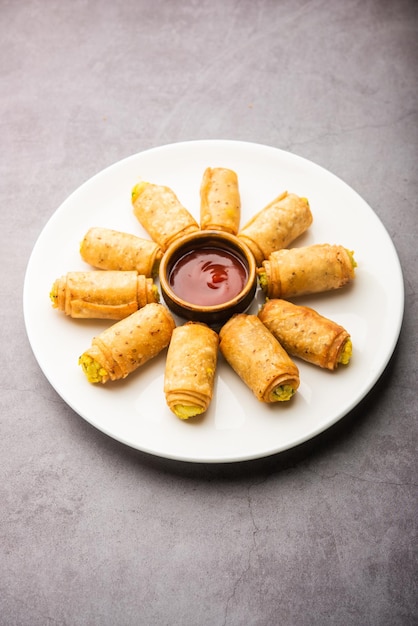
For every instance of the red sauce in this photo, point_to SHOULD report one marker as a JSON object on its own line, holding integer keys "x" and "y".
{"x": 208, "y": 276}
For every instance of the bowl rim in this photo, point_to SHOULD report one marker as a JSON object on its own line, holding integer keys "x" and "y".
{"x": 206, "y": 238}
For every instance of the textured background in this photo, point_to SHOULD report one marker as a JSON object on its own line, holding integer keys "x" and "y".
{"x": 94, "y": 533}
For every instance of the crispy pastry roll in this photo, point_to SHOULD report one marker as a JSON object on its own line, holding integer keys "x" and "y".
{"x": 306, "y": 334}
{"x": 109, "y": 249}
{"x": 311, "y": 269}
{"x": 161, "y": 213}
{"x": 190, "y": 369}
{"x": 128, "y": 344}
{"x": 220, "y": 202}
{"x": 106, "y": 295}
{"x": 258, "y": 358}
{"x": 277, "y": 225}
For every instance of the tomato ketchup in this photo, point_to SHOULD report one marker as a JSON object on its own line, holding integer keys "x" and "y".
{"x": 208, "y": 276}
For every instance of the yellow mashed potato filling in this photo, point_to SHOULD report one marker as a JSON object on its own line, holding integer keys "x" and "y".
{"x": 156, "y": 293}
{"x": 283, "y": 392}
{"x": 53, "y": 294}
{"x": 346, "y": 353}
{"x": 92, "y": 369}
{"x": 262, "y": 279}
{"x": 184, "y": 412}
{"x": 138, "y": 189}
{"x": 352, "y": 259}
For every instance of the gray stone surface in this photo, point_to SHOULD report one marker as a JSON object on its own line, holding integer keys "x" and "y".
{"x": 95, "y": 533}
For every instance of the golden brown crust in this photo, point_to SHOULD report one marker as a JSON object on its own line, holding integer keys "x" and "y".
{"x": 309, "y": 269}
{"x": 133, "y": 341}
{"x": 257, "y": 357}
{"x": 277, "y": 225}
{"x": 190, "y": 368}
{"x": 161, "y": 213}
{"x": 109, "y": 249}
{"x": 220, "y": 202}
{"x": 304, "y": 333}
{"x": 103, "y": 295}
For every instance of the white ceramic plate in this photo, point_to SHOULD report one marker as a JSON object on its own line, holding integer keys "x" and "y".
{"x": 236, "y": 426}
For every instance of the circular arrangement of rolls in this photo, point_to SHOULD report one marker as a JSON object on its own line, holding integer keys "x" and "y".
{"x": 261, "y": 348}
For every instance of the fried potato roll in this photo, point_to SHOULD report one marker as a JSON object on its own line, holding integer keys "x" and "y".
{"x": 220, "y": 202}
{"x": 306, "y": 334}
{"x": 311, "y": 269}
{"x": 100, "y": 294}
{"x": 128, "y": 344}
{"x": 277, "y": 225}
{"x": 258, "y": 358}
{"x": 109, "y": 249}
{"x": 190, "y": 369}
{"x": 161, "y": 213}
